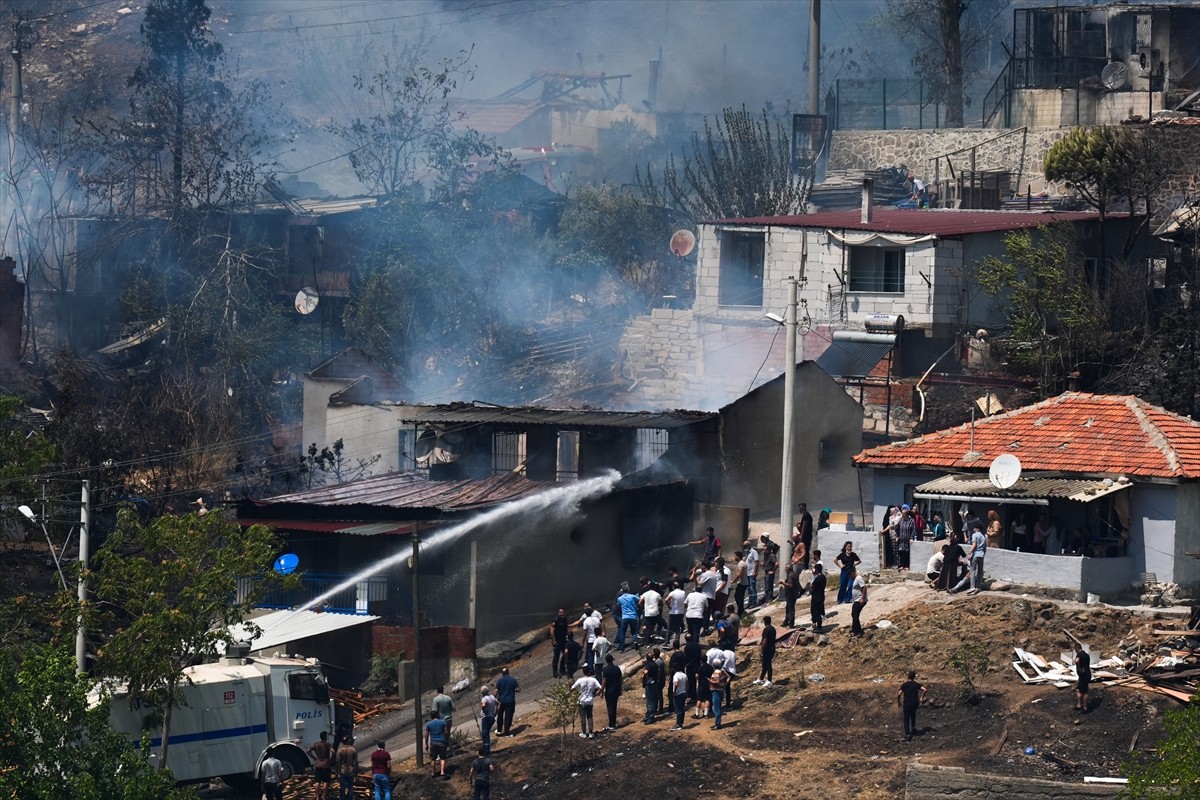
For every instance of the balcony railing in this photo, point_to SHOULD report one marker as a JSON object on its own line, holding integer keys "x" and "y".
{"x": 353, "y": 599}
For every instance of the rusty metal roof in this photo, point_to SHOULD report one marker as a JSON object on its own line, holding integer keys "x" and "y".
{"x": 472, "y": 413}
{"x": 935, "y": 222}
{"x": 412, "y": 490}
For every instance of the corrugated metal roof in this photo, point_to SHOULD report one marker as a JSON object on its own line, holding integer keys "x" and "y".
{"x": 283, "y": 627}
{"x": 927, "y": 221}
{"x": 411, "y": 490}
{"x": 852, "y": 359}
{"x": 469, "y": 413}
{"x": 1082, "y": 490}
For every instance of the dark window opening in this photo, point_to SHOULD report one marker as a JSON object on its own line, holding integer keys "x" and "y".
{"x": 877, "y": 269}
{"x": 743, "y": 256}
{"x": 308, "y": 686}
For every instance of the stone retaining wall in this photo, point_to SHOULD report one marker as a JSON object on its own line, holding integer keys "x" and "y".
{"x": 925, "y": 782}
{"x": 865, "y": 150}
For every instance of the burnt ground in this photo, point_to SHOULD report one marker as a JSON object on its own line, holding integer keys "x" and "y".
{"x": 843, "y": 730}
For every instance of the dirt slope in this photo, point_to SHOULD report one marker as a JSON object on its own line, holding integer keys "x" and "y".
{"x": 842, "y": 732}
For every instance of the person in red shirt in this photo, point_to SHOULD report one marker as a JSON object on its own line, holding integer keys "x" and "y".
{"x": 381, "y": 768}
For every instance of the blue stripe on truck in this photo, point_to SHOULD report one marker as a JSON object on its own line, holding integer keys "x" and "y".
{"x": 208, "y": 736}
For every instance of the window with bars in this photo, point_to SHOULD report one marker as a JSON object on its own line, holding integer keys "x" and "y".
{"x": 508, "y": 452}
{"x": 651, "y": 444}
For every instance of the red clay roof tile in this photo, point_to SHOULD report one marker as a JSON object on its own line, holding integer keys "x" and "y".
{"x": 1074, "y": 433}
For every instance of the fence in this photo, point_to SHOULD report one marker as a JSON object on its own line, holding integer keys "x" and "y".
{"x": 353, "y": 599}
{"x": 886, "y": 104}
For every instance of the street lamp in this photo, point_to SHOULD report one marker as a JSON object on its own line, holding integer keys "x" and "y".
{"x": 85, "y": 510}
{"x": 27, "y": 512}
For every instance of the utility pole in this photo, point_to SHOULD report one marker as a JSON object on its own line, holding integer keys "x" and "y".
{"x": 16, "y": 95}
{"x": 418, "y": 725}
{"x": 85, "y": 521}
{"x": 814, "y": 56}
{"x": 789, "y": 435}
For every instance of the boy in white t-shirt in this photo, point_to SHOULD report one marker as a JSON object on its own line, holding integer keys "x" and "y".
{"x": 587, "y": 686}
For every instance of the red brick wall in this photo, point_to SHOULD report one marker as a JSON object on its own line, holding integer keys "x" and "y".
{"x": 443, "y": 641}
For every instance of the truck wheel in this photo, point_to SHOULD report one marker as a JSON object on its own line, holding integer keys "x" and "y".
{"x": 293, "y": 762}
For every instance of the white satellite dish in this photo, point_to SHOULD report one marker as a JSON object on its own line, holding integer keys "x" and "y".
{"x": 1005, "y": 471}
{"x": 306, "y": 300}
{"x": 1114, "y": 76}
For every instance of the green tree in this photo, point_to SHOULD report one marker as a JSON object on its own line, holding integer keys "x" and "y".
{"x": 741, "y": 167}
{"x": 610, "y": 230}
{"x": 1056, "y": 319}
{"x": 406, "y": 125}
{"x": 168, "y": 591}
{"x": 55, "y": 742}
{"x": 1175, "y": 773}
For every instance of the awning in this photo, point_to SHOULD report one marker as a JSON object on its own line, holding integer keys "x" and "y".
{"x": 1036, "y": 491}
{"x": 853, "y": 355}
{"x": 284, "y": 627}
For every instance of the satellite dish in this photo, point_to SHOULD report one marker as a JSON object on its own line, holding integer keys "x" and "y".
{"x": 306, "y": 300}
{"x": 437, "y": 447}
{"x": 1005, "y": 471}
{"x": 1114, "y": 76}
{"x": 286, "y": 564}
{"x": 683, "y": 242}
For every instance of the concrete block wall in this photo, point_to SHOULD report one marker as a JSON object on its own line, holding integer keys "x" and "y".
{"x": 926, "y": 782}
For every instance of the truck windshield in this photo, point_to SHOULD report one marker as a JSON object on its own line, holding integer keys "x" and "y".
{"x": 308, "y": 686}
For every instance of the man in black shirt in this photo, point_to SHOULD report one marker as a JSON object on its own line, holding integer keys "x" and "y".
{"x": 910, "y": 696}
{"x": 804, "y": 526}
{"x": 610, "y": 680}
{"x": 481, "y": 771}
{"x": 650, "y": 688}
{"x": 816, "y": 591}
{"x": 1083, "y": 676}
{"x": 572, "y": 651}
{"x": 766, "y": 646}
{"x": 558, "y": 635}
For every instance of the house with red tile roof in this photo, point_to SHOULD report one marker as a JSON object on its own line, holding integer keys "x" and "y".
{"x": 856, "y": 268}
{"x": 1114, "y": 482}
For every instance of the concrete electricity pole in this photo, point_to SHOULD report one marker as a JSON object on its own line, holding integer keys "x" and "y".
{"x": 814, "y": 56}
{"x": 789, "y": 434}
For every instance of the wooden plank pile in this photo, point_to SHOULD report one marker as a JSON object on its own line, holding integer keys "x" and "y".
{"x": 300, "y": 787}
{"x": 1170, "y": 668}
{"x": 362, "y": 708}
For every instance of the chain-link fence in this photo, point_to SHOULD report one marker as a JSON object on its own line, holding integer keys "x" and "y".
{"x": 886, "y": 104}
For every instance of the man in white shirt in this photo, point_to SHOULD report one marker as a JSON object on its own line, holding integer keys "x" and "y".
{"x": 592, "y": 624}
{"x": 650, "y": 604}
{"x": 676, "y": 601}
{"x": 272, "y": 777}
{"x": 751, "y": 571}
{"x": 587, "y": 686}
{"x": 696, "y": 607}
{"x": 707, "y": 581}
{"x": 600, "y": 647}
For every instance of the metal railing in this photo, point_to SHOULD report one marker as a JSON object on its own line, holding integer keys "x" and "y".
{"x": 353, "y": 599}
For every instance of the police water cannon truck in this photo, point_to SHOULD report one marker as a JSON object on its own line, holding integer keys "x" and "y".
{"x": 235, "y": 713}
